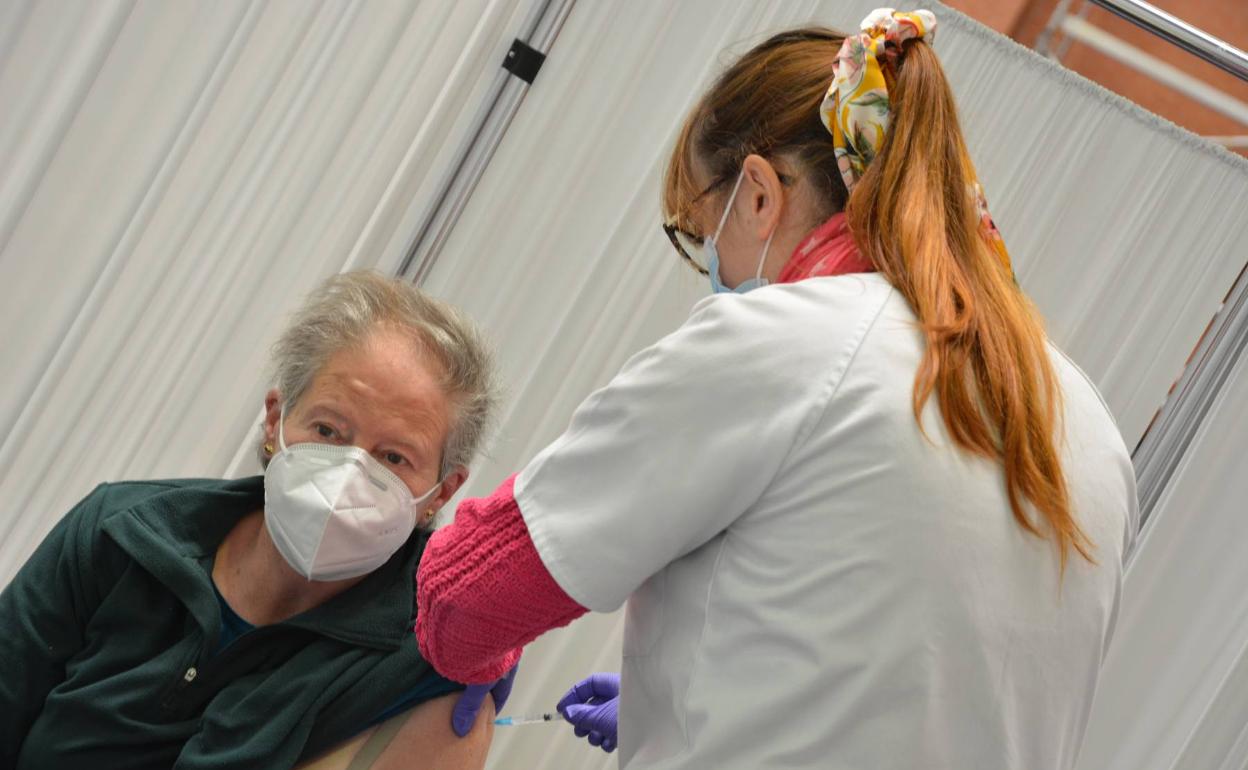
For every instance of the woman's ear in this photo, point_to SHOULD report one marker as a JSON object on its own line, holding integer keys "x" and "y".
{"x": 450, "y": 485}
{"x": 272, "y": 415}
{"x": 765, "y": 194}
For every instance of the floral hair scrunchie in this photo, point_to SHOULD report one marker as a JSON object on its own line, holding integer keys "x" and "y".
{"x": 856, "y": 108}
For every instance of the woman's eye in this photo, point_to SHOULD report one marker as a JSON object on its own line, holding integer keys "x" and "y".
{"x": 394, "y": 458}
{"x": 324, "y": 431}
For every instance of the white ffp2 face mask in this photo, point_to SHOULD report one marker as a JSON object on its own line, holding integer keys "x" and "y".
{"x": 334, "y": 512}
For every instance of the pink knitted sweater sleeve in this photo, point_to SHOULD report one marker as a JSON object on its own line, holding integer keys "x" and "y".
{"x": 482, "y": 591}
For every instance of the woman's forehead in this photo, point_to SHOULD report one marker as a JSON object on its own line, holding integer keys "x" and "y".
{"x": 386, "y": 381}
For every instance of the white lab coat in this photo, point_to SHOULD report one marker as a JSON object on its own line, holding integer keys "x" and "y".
{"x": 811, "y": 582}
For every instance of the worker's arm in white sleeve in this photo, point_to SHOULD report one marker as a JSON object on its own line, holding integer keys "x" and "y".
{"x": 678, "y": 445}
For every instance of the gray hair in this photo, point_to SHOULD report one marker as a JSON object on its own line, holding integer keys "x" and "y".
{"x": 346, "y": 308}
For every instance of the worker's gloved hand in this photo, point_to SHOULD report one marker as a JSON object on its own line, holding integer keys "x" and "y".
{"x": 593, "y": 708}
{"x": 469, "y": 705}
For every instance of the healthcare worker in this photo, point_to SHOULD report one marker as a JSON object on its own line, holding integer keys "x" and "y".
{"x": 864, "y": 514}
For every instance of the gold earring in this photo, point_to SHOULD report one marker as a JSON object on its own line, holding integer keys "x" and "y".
{"x": 268, "y": 447}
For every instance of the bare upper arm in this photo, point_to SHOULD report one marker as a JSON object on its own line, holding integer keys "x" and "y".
{"x": 424, "y": 740}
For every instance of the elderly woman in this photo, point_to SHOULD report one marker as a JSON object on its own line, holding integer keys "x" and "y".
{"x": 262, "y": 621}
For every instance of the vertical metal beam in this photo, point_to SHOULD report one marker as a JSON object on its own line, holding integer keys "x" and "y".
{"x": 481, "y": 141}
{"x": 1164, "y": 446}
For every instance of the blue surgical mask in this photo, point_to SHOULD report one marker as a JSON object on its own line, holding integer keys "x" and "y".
{"x": 712, "y": 252}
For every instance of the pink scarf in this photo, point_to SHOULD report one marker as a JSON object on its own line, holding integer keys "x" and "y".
{"x": 828, "y": 250}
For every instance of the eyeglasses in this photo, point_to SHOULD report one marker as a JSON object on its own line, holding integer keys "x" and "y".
{"x": 689, "y": 246}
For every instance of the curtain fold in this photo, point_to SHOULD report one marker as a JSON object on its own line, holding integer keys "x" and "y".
{"x": 173, "y": 178}
{"x": 1174, "y": 688}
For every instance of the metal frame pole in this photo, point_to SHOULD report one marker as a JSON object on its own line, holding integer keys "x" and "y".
{"x": 474, "y": 154}
{"x": 1191, "y": 39}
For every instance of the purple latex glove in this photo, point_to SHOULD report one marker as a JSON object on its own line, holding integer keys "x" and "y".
{"x": 469, "y": 704}
{"x": 593, "y": 708}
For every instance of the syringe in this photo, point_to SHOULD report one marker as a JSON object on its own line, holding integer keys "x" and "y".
{"x": 525, "y": 720}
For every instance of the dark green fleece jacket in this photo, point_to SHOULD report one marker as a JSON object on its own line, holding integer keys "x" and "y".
{"x": 109, "y": 644}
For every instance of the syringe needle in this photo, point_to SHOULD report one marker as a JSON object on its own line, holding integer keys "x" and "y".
{"x": 528, "y": 720}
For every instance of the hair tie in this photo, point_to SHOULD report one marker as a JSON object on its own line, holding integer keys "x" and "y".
{"x": 856, "y": 108}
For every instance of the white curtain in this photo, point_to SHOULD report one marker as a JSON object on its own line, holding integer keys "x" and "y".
{"x": 1126, "y": 230}
{"x": 1174, "y": 690}
{"x": 173, "y": 177}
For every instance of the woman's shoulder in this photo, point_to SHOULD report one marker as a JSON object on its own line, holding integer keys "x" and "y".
{"x": 816, "y": 305}
{"x": 788, "y": 341}
{"x": 114, "y": 497}
{"x": 90, "y": 517}
{"x": 131, "y": 492}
